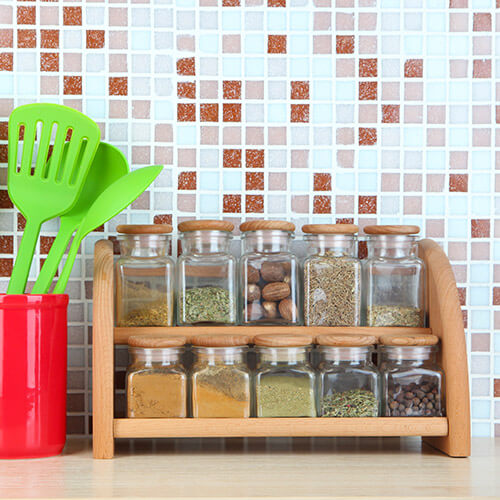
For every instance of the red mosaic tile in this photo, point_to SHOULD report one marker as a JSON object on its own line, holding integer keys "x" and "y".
{"x": 6, "y": 38}
{"x": 368, "y": 68}
{"x": 209, "y": 112}
{"x": 497, "y": 114}
{"x": 345, "y": 44}
{"x": 231, "y": 203}
{"x": 299, "y": 90}
{"x": 254, "y": 203}
{"x": 367, "y": 136}
{"x": 6, "y": 244}
{"x": 367, "y": 204}
{"x": 299, "y": 113}
{"x": 414, "y": 68}
{"x": 118, "y": 85}
{"x": 49, "y": 61}
{"x": 46, "y": 244}
{"x": 459, "y": 183}
{"x": 72, "y": 16}
{"x": 186, "y": 181}
{"x": 254, "y": 181}
{"x": 390, "y": 113}
{"x": 26, "y": 15}
{"x": 72, "y": 85}
{"x": 276, "y": 44}
{"x": 231, "y": 3}
{"x": 163, "y": 219}
{"x": 322, "y": 182}
{"x": 49, "y": 39}
{"x": 26, "y": 39}
{"x": 496, "y": 296}
{"x": 186, "y": 112}
{"x": 459, "y": 4}
{"x": 6, "y": 62}
{"x": 4, "y": 153}
{"x": 254, "y": 158}
{"x": 231, "y": 112}
{"x": 4, "y": 131}
{"x": 480, "y": 228}
{"x": 322, "y": 204}
{"x": 367, "y": 91}
{"x": 186, "y": 66}
{"x": 95, "y": 39}
{"x": 21, "y": 222}
{"x": 362, "y": 250}
{"x": 276, "y": 3}
{"x": 231, "y": 158}
{"x": 6, "y": 267}
{"x": 482, "y": 21}
{"x": 462, "y": 295}
{"x": 186, "y": 90}
{"x": 231, "y": 89}
{"x": 344, "y": 220}
{"x": 481, "y": 68}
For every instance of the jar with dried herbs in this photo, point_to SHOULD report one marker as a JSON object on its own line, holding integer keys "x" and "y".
{"x": 332, "y": 276}
{"x": 220, "y": 377}
{"x": 269, "y": 274}
{"x": 349, "y": 382}
{"x": 285, "y": 381}
{"x": 156, "y": 382}
{"x": 206, "y": 274}
{"x": 144, "y": 276}
{"x": 412, "y": 381}
{"x": 393, "y": 277}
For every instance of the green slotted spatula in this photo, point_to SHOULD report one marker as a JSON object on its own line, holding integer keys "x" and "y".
{"x": 52, "y": 187}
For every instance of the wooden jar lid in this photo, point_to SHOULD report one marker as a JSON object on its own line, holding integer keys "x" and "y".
{"x": 396, "y": 229}
{"x": 330, "y": 228}
{"x": 205, "y": 225}
{"x": 408, "y": 340}
{"x": 144, "y": 228}
{"x": 276, "y": 340}
{"x": 220, "y": 340}
{"x": 156, "y": 341}
{"x": 345, "y": 340}
{"x": 256, "y": 225}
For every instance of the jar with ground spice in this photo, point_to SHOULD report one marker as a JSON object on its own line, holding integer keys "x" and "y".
{"x": 220, "y": 377}
{"x": 394, "y": 277}
{"x": 285, "y": 381}
{"x": 349, "y": 383}
{"x": 269, "y": 274}
{"x": 412, "y": 381}
{"x": 332, "y": 276}
{"x": 157, "y": 383}
{"x": 206, "y": 273}
{"x": 144, "y": 276}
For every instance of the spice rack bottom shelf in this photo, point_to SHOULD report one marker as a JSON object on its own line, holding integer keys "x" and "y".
{"x": 280, "y": 427}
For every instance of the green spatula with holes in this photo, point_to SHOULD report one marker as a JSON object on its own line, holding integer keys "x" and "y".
{"x": 110, "y": 203}
{"x": 52, "y": 187}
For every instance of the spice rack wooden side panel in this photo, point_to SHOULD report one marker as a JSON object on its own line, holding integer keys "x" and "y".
{"x": 450, "y": 434}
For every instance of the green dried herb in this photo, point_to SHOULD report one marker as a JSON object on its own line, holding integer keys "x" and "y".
{"x": 353, "y": 403}
{"x": 208, "y": 304}
{"x": 394, "y": 316}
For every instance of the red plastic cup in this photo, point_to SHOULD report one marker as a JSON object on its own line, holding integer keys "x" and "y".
{"x": 33, "y": 344}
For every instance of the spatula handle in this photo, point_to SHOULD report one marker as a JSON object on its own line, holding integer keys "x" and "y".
{"x": 68, "y": 265}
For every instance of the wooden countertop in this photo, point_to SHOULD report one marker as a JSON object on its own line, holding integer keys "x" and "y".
{"x": 258, "y": 468}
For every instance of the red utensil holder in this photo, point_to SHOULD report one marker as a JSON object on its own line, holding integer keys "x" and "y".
{"x": 33, "y": 346}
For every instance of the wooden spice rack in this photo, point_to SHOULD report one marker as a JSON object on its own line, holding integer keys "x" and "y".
{"x": 450, "y": 434}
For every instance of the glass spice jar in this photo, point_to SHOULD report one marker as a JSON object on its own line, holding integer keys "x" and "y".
{"x": 206, "y": 273}
{"x": 332, "y": 276}
{"x": 144, "y": 276}
{"x": 220, "y": 377}
{"x": 285, "y": 381}
{"x": 394, "y": 277}
{"x": 269, "y": 274}
{"x": 349, "y": 382}
{"x": 156, "y": 381}
{"x": 412, "y": 381}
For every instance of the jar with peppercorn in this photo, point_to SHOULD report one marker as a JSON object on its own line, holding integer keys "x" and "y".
{"x": 412, "y": 381}
{"x": 269, "y": 274}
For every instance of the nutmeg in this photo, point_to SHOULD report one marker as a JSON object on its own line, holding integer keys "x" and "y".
{"x": 253, "y": 312}
{"x": 253, "y": 275}
{"x": 253, "y": 292}
{"x": 270, "y": 309}
{"x": 276, "y": 291}
{"x": 288, "y": 310}
{"x": 272, "y": 271}
{"x": 287, "y": 267}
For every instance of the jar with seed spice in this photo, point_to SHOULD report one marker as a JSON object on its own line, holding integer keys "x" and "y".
{"x": 157, "y": 383}
{"x": 144, "y": 276}
{"x": 220, "y": 377}
{"x": 285, "y": 381}
{"x": 206, "y": 273}
{"x": 332, "y": 276}
{"x": 394, "y": 276}
{"x": 412, "y": 381}
{"x": 349, "y": 382}
{"x": 269, "y": 274}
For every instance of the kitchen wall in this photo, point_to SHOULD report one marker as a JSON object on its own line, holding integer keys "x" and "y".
{"x": 312, "y": 110}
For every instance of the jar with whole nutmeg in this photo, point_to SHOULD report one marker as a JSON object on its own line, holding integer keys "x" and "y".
{"x": 269, "y": 274}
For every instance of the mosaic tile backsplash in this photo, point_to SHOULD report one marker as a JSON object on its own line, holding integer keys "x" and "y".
{"x": 312, "y": 110}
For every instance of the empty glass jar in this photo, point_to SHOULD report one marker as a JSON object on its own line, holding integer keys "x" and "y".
{"x": 332, "y": 276}
{"x": 349, "y": 382}
{"x": 412, "y": 381}
{"x": 394, "y": 277}
{"x": 144, "y": 276}
{"x": 206, "y": 274}
{"x": 269, "y": 274}
{"x": 285, "y": 381}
